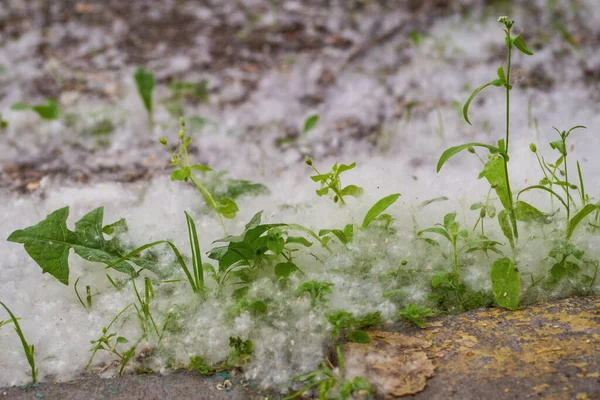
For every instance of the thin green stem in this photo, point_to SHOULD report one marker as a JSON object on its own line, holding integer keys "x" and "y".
{"x": 545, "y": 176}
{"x": 455, "y": 254}
{"x": 209, "y": 199}
{"x": 581, "y": 187}
{"x": 567, "y": 181}
{"x": 508, "y": 87}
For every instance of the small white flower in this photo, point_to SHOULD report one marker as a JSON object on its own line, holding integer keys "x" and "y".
{"x": 502, "y": 19}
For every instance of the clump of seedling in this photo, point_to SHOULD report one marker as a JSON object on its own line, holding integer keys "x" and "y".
{"x": 46, "y": 111}
{"x": 182, "y": 90}
{"x": 330, "y": 381}
{"x": 447, "y": 283}
{"x": 331, "y": 181}
{"x": 415, "y": 314}
{"x": 145, "y": 82}
{"x": 225, "y": 207}
{"x": 242, "y": 351}
{"x": 111, "y": 343}
{"x": 375, "y": 214}
{"x": 27, "y": 348}
{"x": 345, "y": 322}
{"x": 317, "y": 290}
{"x": 242, "y": 257}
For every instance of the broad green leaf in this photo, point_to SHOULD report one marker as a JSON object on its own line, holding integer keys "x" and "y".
{"x": 284, "y": 270}
{"x": 349, "y": 232}
{"x": 49, "y": 242}
{"x": 476, "y": 206}
{"x": 359, "y": 337}
{"x": 577, "y": 218}
{"x": 506, "y": 283}
{"x": 352, "y": 190}
{"x": 201, "y": 168}
{"x": 320, "y": 178}
{"x": 379, "y": 207}
{"x": 562, "y": 250}
{"x": 310, "y": 123}
{"x": 501, "y": 75}
{"x": 431, "y": 241}
{"x": 121, "y": 340}
{"x": 495, "y": 173}
{"x": 564, "y": 268}
{"x": 20, "y": 106}
{"x": 452, "y": 151}
{"x": 144, "y": 81}
{"x": 323, "y": 191}
{"x": 496, "y": 82}
{"x": 340, "y": 235}
{"x": 504, "y": 221}
{"x": 49, "y": 110}
{"x": 180, "y": 174}
{"x": 439, "y": 231}
{"x": 520, "y": 44}
{"x": 227, "y": 208}
{"x": 345, "y": 167}
{"x": 560, "y": 146}
{"x": 222, "y": 187}
{"x": 276, "y": 245}
{"x": 449, "y": 220}
{"x": 298, "y": 240}
{"x": 525, "y": 212}
{"x": 116, "y": 228}
{"x": 257, "y": 307}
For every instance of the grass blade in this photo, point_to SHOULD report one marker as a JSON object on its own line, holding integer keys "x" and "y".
{"x": 584, "y": 212}
{"x": 27, "y": 348}
{"x": 196, "y": 254}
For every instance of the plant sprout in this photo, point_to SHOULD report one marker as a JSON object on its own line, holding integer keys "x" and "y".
{"x": 27, "y": 348}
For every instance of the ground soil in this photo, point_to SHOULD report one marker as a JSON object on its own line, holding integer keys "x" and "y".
{"x": 549, "y": 351}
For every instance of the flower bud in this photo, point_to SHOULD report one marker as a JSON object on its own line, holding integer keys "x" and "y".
{"x": 470, "y": 149}
{"x": 181, "y": 122}
{"x": 403, "y": 262}
{"x": 163, "y": 141}
{"x": 181, "y": 134}
{"x": 533, "y": 147}
{"x": 308, "y": 161}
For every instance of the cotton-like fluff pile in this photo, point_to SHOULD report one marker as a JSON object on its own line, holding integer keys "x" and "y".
{"x": 293, "y": 336}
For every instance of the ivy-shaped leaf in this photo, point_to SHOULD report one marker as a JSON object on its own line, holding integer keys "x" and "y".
{"x": 49, "y": 242}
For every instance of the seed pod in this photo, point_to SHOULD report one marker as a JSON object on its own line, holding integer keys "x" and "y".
{"x": 482, "y": 212}
{"x": 533, "y": 148}
{"x": 163, "y": 141}
{"x": 308, "y": 161}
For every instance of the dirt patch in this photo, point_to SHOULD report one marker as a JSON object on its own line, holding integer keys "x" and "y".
{"x": 550, "y": 350}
